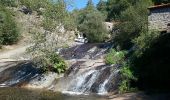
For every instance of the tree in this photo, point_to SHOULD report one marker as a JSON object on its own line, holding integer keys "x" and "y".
{"x": 90, "y": 22}
{"x": 115, "y": 7}
{"x": 93, "y": 27}
{"x": 102, "y": 7}
{"x": 133, "y": 22}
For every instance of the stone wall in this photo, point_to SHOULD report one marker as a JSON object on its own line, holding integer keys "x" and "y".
{"x": 159, "y": 18}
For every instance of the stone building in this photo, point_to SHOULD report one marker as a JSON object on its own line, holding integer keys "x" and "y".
{"x": 159, "y": 18}
{"x": 109, "y": 26}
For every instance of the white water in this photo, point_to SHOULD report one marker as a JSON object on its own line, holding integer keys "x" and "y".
{"x": 102, "y": 88}
{"x": 85, "y": 82}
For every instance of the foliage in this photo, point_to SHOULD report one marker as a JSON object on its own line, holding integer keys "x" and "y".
{"x": 133, "y": 22}
{"x": 114, "y": 57}
{"x": 8, "y": 29}
{"x": 90, "y": 22}
{"x": 46, "y": 44}
{"x": 54, "y": 15}
{"x": 115, "y": 7}
{"x": 126, "y": 74}
{"x": 102, "y": 7}
{"x": 126, "y": 77}
{"x": 50, "y": 61}
{"x": 11, "y": 3}
{"x": 152, "y": 66}
{"x": 44, "y": 54}
{"x": 34, "y": 4}
{"x": 144, "y": 41}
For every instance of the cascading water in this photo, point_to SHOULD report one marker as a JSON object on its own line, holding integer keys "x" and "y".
{"x": 96, "y": 80}
{"x": 102, "y": 88}
{"x": 85, "y": 76}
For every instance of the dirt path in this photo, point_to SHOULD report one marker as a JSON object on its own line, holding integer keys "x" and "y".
{"x": 14, "y": 54}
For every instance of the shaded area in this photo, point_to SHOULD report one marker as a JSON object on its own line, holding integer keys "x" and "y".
{"x": 23, "y": 94}
{"x": 153, "y": 67}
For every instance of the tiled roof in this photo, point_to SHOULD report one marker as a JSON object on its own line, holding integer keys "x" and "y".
{"x": 160, "y": 6}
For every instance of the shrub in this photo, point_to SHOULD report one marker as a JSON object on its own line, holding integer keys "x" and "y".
{"x": 126, "y": 77}
{"x": 8, "y": 29}
{"x": 50, "y": 61}
{"x": 126, "y": 74}
{"x": 114, "y": 57}
{"x": 144, "y": 41}
{"x": 8, "y": 3}
{"x": 44, "y": 55}
{"x": 35, "y": 4}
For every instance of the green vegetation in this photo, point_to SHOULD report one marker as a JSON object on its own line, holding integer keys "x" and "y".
{"x": 114, "y": 57}
{"x": 90, "y": 22}
{"x": 9, "y": 33}
{"x": 127, "y": 75}
{"x": 11, "y": 3}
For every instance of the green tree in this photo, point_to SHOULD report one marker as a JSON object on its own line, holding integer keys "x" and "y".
{"x": 133, "y": 22}
{"x": 115, "y": 7}
{"x": 90, "y": 22}
{"x": 102, "y": 7}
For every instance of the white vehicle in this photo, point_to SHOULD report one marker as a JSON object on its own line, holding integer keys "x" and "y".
{"x": 80, "y": 38}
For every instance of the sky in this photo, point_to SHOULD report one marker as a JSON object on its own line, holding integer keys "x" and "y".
{"x": 78, "y": 4}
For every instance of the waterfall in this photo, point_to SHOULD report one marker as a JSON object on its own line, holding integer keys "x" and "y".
{"x": 98, "y": 80}
{"x": 86, "y": 76}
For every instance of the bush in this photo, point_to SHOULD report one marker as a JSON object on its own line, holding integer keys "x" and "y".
{"x": 126, "y": 74}
{"x": 126, "y": 77}
{"x": 144, "y": 41}
{"x": 50, "y": 62}
{"x": 43, "y": 53}
{"x": 34, "y": 4}
{"x": 8, "y": 29}
{"x": 11, "y": 3}
{"x": 114, "y": 57}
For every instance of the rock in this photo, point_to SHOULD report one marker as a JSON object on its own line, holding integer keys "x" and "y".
{"x": 25, "y": 10}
